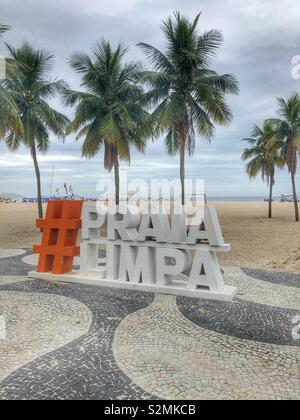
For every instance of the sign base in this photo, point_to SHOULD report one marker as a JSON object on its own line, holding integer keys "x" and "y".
{"x": 177, "y": 288}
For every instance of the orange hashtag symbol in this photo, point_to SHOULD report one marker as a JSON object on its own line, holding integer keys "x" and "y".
{"x": 60, "y": 232}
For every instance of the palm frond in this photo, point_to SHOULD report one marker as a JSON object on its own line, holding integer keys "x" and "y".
{"x": 255, "y": 166}
{"x": 172, "y": 143}
{"x": 159, "y": 61}
{"x": 225, "y": 83}
{"x": 51, "y": 119}
{"x": 208, "y": 44}
{"x": 81, "y": 62}
{"x": 4, "y": 28}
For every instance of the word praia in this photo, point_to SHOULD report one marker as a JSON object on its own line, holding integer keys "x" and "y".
{"x": 151, "y": 251}
{"x": 127, "y": 224}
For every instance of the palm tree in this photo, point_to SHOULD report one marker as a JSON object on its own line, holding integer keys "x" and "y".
{"x": 30, "y": 87}
{"x": 187, "y": 95}
{"x": 265, "y": 156}
{"x": 288, "y": 130}
{"x": 108, "y": 113}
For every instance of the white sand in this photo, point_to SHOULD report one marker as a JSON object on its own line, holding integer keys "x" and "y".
{"x": 256, "y": 241}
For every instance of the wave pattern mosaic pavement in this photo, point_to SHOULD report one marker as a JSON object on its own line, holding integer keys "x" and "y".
{"x": 118, "y": 344}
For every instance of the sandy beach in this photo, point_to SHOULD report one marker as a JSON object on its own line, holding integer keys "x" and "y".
{"x": 256, "y": 241}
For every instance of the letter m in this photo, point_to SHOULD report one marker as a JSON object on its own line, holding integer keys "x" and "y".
{"x": 137, "y": 264}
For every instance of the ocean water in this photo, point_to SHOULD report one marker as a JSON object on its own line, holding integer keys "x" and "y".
{"x": 210, "y": 198}
{"x": 240, "y": 198}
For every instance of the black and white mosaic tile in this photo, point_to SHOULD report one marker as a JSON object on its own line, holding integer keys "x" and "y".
{"x": 13, "y": 265}
{"x": 133, "y": 345}
{"x": 85, "y": 368}
{"x": 242, "y": 319}
{"x": 185, "y": 361}
{"x": 283, "y": 278}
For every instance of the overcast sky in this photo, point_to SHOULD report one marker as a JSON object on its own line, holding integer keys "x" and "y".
{"x": 260, "y": 39}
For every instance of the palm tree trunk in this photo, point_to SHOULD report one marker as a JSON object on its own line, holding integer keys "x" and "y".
{"x": 182, "y": 172}
{"x": 38, "y": 180}
{"x": 117, "y": 181}
{"x": 271, "y": 197}
{"x": 295, "y": 197}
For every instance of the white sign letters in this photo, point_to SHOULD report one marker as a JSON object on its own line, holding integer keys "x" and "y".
{"x": 152, "y": 252}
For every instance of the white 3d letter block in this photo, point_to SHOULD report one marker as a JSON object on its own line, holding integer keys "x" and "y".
{"x": 165, "y": 270}
{"x": 112, "y": 261}
{"x": 89, "y": 260}
{"x": 137, "y": 265}
{"x": 212, "y": 232}
{"x": 93, "y": 220}
{"x": 206, "y": 272}
{"x": 123, "y": 224}
{"x": 178, "y": 229}
{"x": 155, "y": 226}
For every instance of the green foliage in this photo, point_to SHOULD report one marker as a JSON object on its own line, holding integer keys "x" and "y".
{"x": 8, "y": 108}
{"x": 108, "y": 114}
{"x": 288, "y": 129}
{"x": 30, "y": 88}
{"x": 264, "y": 152}
{"x": 188, "y": 97}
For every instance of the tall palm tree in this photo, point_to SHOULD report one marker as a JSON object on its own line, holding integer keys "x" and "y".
{"x": 187, "y": 95}
{"x": 265, "y": 156}
{"x": 288, "y": 130}
{"x": 108, "y": 112}
{"x": 30, "y": 87}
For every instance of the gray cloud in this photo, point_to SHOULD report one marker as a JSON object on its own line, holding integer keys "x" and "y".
{"x": 261, "y": 37}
